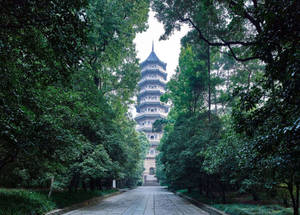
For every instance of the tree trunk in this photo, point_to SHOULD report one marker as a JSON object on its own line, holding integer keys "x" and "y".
{"x": 223, "y": 192}
{"x": 216, "y": 106}
{"x": 99, "y": 184}
{"x": 295, "y": 199}
{"x": 209, "y": 93}
{"x": 200, "y": 188}
{"x": 207, "y": 188}
{"x": 255, "y": 196}
{"x": 83, "y": 185}
{"x": 76, "y": 183}
{"x": 72, "y": 182}
{"x": 92, "y": 184}
{"x": 51, "y": 187}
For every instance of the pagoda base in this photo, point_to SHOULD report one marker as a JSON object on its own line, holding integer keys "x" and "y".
{"x": 150, "y": 180}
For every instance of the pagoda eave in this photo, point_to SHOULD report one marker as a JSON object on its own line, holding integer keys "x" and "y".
{"x": 154, "y": 71}
{"x": 149, "y": 116}
{"x": 152, "y": 81}
{"x": 152, "y": 93}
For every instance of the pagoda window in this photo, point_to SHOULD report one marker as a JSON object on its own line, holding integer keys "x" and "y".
{"x": 151, "y": 171}
{"x": 152, "y": 151}
{"x": 152, "y": 110}
{"x": 152, "y": 137}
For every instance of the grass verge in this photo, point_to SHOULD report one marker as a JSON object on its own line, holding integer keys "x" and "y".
{"x": 247, "y": 209}
{"x": 235, "y": 208}
{"x": 26, "y": 202}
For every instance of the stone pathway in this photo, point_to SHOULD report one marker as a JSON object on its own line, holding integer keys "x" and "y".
{"x": 142, "y": 201}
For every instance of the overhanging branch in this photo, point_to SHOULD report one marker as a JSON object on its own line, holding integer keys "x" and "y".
{"x": 223, "y": 43}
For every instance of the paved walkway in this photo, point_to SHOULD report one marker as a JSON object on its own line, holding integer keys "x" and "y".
{"x": 142, "y": 201}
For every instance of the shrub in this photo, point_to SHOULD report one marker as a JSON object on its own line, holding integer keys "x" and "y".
{"x": 246, "y": 209}
{"x": 17, "y": 202}
{"x": 26, "y": 202}
{"x": 64, "y": 199}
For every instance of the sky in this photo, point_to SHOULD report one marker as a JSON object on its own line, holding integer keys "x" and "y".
{"x": 166, "y": 50}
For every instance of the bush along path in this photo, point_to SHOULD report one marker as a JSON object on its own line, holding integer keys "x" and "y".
{"x": 235, "y": 205}
{"x": 25, "y": 202}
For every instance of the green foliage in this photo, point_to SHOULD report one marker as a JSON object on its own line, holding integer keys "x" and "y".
{"x": 189, "y": 130}
{"x": 244, "y": 209}
{"x": 259, "y": 63}
{"x": 68, "y": 73}
{"x": 18, "y": 202}
{"x": 65, "y": 199}
{"x": 41, "y": 44}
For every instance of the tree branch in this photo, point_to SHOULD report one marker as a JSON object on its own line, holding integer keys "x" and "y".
{"x": 241, "y": 59}
{"x": 223, "y": 43}
{"x": 248, "y": 16}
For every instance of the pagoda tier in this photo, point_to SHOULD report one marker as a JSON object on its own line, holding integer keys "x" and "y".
{"x": 153, "y": 60}
{"x": 143, "y": 106}
{"x": 148, "y": 82}
{"x": 150, "y": 70}
{"x": 152, "y": 92}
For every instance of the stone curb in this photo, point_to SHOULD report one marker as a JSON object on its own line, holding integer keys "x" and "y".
{"x": 205, "y": 207}
{"x": 92, "y": 201}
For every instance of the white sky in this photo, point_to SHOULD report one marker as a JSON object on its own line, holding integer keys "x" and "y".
{"x": 166, "y": 50}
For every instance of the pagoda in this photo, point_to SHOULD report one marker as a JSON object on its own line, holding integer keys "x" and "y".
{"x": 149, "y": 108}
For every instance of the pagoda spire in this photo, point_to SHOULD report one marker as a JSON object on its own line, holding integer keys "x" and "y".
{"x": 152, "y": 45}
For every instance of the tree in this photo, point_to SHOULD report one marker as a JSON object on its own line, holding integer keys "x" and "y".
{"x": 59, "y": 122}
{"x": 268, "y": 111}
{"x": 40, "y": 46}
{"x": 190, "y": 128}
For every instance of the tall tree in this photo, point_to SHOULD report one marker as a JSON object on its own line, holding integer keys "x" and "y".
{"x": 268, "y": 111}
{"x": 55, "y": 121}
{"x": 41, "y": 44}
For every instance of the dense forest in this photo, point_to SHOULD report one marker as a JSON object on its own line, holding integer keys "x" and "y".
{"x": 69, "y": 74}
{"x": 234, "y": 124}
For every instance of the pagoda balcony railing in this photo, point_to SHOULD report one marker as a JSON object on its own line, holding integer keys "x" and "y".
{"x": 151, "y": 156}
{"x": 144, "y": 127}
{"x": 153, "y": 102}
{"x": 153, "y": 90}
{"x": 152, "y": 79}
{"x": 153, "y": 68}
{"x": 154, "y": 142}
{"x": 149, "y": 100}
{"x": 148, "y": 113}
